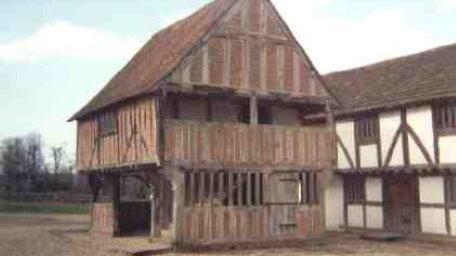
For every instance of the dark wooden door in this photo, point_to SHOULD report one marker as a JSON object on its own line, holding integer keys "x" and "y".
{"x": 401, "y": 203}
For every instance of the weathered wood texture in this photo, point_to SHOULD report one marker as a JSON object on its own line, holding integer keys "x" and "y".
{"x": 102, "y": 218}
{"x": 230, "y": 144}
{"x": 251, "y": 49}
{"x": 206, "y": 225}
{"x": 134, "y": 142}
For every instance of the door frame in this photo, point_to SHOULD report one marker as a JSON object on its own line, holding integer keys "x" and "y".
{"x": 415, "y": 221}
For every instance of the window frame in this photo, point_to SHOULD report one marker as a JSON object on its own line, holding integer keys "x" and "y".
{"x": 355, "y": 189}
{"x": 439, "y": 110}
{"x": 367, "y": 129}
{"x": 451, "y": 190}
{"x": 107, "y": 124}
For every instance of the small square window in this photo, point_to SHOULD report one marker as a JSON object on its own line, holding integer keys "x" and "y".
{"x": 107, "y": 124}
{"x": 354, "y": 189}
{"x": 445, "y": 118}
{"x": 367, "y": 130}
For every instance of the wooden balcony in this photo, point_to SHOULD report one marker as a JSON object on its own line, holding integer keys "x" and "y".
{"x": 234, "y": 145}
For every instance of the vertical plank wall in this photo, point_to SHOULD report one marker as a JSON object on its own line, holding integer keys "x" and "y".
{"x": 134, "y": 142}
{"x": 250, "y": 50}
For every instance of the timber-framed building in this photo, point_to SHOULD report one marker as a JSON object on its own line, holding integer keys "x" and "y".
{"x": 396, "y": 136}
{"x": 210, "y": 118}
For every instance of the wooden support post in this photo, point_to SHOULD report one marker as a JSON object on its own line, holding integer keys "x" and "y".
{"x": 447, "y": 185}
{"x": 304, "y": 199}
{"x": 230, "y": 188}
{"x": 257, "y": 188}
{"x": 202, "y": 187}
{"x": 160, "y": 129}
{"x": 178, "y": 186}
{"x": 116, "y": 204}
{"x": 345, "y": 203}
{"x": 160, "y": 205}
{"x": 249, "y": 189}
{"x": 239, "y": 189}
{"x": 221, "y": 185}
{"x": 211, "y": 188}
{"x": 254, "y": 110}
{"x": 153, "y": 210}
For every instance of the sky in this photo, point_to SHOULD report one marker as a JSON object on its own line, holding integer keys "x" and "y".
{"x": 55, "y": 55}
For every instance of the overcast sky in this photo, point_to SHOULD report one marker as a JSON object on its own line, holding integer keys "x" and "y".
{"x": 55, "y": 55}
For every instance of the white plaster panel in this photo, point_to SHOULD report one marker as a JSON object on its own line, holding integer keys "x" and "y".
{"x": 368, "y": 156}
{"x": 432, "y": 190}
{"x": 374, "y": 190}
{"x": 374, "y": 217}
{"x": 447, "y": 148}
{"x": 355, "y": 216}
{"x": 420, "y": 119}
{"x": 453, "y": 222}
{"x": 346, "y": 132}
{"x": 334, "y": 204}
{"x": 389, "y": 124}
{"x": 433, "y": 220}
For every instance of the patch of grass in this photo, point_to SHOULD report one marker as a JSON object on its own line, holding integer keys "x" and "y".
{"x": 43, "y": 207}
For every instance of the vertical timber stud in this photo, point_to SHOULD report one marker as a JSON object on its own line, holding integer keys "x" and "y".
{"x": 116, "y": 204}
{"x": 254, "y": 110}
{"x": 436, "y": 136}
{"x": 405, "y": 144}
{"x": 447, "y": 186}
{"x": 160, "y": 137}
{"x": 230, "y": 188}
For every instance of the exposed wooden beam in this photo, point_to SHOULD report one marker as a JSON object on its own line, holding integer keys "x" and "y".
{"x": 405, "y": 143}
{"x": 418, "y": 142}
{"x": 345, "y": 150}
{"x": 390, "y": 152}
{"x": 254, "y": 110}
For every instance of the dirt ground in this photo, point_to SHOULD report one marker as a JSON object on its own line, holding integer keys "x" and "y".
{"x": 68, "y": 235}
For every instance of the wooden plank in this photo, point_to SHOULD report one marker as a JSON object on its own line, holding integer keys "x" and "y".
{"x": 257, "y": 188}
{"x": 249, "y": 189}
{"x": 230, "y": 188}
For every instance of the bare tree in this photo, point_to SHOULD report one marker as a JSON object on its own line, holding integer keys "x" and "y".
{"x": 57, "y": 156}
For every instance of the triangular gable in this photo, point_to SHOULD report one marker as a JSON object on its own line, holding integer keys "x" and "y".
{"x": 251, "y": 49}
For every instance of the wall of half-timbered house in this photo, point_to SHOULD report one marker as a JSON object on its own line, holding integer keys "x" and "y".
{"x": 425, "y": 151}
{"x": 132, "y": 142}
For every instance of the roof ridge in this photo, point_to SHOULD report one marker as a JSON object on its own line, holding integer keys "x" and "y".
{"x": 392, "y": 60}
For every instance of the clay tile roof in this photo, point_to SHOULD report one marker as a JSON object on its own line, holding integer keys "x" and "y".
{"x": 157, "y": 58}
{"x": 420, "y": 77}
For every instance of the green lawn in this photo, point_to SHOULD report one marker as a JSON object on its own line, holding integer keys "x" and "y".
{"x": 45, "y": 207}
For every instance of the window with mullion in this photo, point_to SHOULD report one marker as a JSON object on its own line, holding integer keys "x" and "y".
{"x": 367, "y": 130}
{"x": 445, "y": 118}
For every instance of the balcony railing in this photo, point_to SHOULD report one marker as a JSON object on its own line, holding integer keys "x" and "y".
{"x": 198, "y": 145}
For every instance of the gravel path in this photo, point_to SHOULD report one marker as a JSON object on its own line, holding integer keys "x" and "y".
{"x": 68, "y": 235}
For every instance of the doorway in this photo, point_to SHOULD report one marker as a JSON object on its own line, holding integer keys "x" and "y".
{"x": 401, "y": 204}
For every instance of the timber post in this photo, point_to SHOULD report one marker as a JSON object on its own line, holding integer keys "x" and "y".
{"x": 116, "y": 204}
